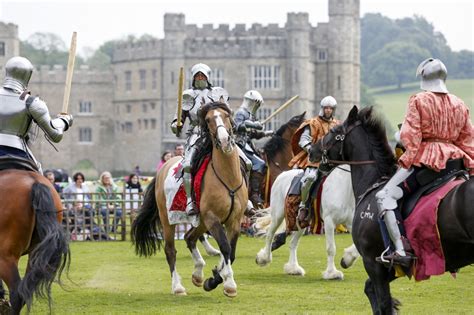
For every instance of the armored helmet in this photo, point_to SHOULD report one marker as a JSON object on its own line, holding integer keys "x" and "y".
{"x": 328, "y": 101}
{"x": 18, "y": 71}
{"x": 433, "y": 75}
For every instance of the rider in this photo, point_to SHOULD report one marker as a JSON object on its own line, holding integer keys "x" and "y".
{"x": 436, "y": 128}
{"x": 19, "y": 109}
{"x": 307, "y": 134}
{"x": 201, "y": 93}
{"x": 247, "y": 128}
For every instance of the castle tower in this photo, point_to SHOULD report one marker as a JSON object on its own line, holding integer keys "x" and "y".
{"x": 299, "y": 68}
{"x": 9, "y": 42}
{"x": 344, "y": 54}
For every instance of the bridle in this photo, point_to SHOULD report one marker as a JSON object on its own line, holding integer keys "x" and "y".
{"x": 340, "y": 138}
{"x": 216, "y": 140}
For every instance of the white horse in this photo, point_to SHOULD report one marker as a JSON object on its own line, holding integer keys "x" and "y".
{"x": 337, "y": 207}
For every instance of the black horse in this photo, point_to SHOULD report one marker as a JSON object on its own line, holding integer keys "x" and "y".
{"x": 362, "y": 142}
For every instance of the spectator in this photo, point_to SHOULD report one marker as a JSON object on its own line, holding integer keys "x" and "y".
{"x": 50, "y": 176}
{"x": 107, "y": 192}
{"x": 179, "y": 150}
{"x": 137, "y": 170}
{"x": 164, "y": 157}
{"x": 133, "y": 183}
{"x": 78, "y": 190}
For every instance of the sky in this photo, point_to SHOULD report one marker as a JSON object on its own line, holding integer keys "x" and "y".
{"x": 97, "y": 21}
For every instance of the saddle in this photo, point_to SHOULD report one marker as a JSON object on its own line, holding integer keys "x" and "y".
{"x": 15, "y": 162}
{"x": 429, "y": 181}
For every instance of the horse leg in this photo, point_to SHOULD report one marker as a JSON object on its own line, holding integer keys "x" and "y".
{"x": 170, "y": 251}
{"x": 230, "y": 287}
{"x": 378, "y": 285}
{"x": 10, "y": 274}
{"x": 211, "y": 251}
{"x": 349, "y": 257}
{"x": 224, "y": 271}
{"x": 331, "y": 272}
{"x": 292, "y": 267}
{"x": 264, "y": 256}
{"x": 191, "y": 236}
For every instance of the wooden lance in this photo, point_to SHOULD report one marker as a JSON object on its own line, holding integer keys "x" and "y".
{"x": 280, "y": 109}
{"x": 70, "y": 70}
{"x": 179, "y": 122}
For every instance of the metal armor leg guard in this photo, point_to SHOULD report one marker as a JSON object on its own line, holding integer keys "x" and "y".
{"x": 188, "y": 157}
{"x": 309, "y": 177}
{"x": 247, "y": 161}
{"x": 393, "y": 231}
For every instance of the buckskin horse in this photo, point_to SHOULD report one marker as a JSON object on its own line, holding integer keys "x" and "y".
{"x": 224, "y": 197}
{"x": 362, "y": 142}
{"x": 30, "y": 216}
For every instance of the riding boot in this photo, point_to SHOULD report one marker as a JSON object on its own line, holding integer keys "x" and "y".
{"x": 190, "y": 205}
{"x": 256, "y": 180}
{"x": 309, "y": 178}
{"x": 399, "y": 256}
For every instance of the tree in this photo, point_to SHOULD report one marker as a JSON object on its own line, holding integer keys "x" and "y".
{"x": 395, "y": 62}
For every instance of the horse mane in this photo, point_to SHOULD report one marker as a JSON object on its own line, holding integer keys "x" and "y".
{"x": 381, "y": 150}
{"x": 276, "y": 142}
{"x": 205, "y": 140}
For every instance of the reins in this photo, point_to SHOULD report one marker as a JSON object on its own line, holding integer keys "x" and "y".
{"x": 230, "y": 191}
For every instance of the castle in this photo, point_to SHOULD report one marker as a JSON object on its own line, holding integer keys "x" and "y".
{"x": 122, "y": 115}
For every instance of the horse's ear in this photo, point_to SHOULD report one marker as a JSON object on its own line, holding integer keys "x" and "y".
{"x": 367, "y": 113}
{"x": 352, "y": 117}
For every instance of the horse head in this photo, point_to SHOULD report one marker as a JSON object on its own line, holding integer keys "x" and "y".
{"x": 216, "y": 121}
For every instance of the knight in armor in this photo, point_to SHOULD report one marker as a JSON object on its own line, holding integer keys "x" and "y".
{"x": 18, "y": 110}
{"x": 201, "y": 93}
{"x": 247, "y": 128}
{"x": 428, "y": 145}
{"x": 307, "y": 134}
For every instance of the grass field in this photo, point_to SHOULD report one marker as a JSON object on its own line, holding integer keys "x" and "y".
{"x": 393, "y": 102}
{"x": 110, "y": 279}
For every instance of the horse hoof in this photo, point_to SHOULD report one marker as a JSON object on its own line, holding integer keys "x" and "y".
{"x": 207, "y": 285}
{"x": 336, "y": 275}
{"x": 230, "y": 292}
{"x": 294, "y": 270}
{"x": 343, "y": 264}
{"x": 180, "y": 293}
{"x": 197, "y": 281}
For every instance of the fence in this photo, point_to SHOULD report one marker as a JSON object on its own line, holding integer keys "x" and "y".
{"x": 95, "y": 217}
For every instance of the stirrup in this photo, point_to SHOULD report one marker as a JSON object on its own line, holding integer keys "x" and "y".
{"x": 191, "y": 210}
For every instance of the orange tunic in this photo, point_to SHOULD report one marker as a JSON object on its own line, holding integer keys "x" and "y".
{"x": 437, "y": 127}
{"x": 319, "y": 128}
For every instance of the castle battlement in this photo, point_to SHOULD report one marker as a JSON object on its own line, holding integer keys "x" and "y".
{"x": 82, "y": 75}
{"x": 8, "y": 30}
{"x": 239, "y": 30}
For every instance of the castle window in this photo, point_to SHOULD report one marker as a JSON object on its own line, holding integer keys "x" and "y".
{"x": 85, "y": 107}
{"x": 145, "y": 121}
{"x": 263, "y": 113}
{"x": 128, "y": 81}
{"x": 144, "y": 107}
{"x": 128, "y": 127}
{"x": 153, "y": 123}
{"x": 152, "y": 105}
{"x": 85, "y": 134}
{"x": 218, "y": 77}
{"x": 265, "y": 77}
{"x": 338, "y": 82}
{"x": 128, "y": 108}
{"x": 172, "y": 77}
{"x": 322, "y": 55}
{"x": 142, "y": 73}
{"x": 2, "y": 49}
{"x": 139, "y": 124}
{"x": 154, "y": 79}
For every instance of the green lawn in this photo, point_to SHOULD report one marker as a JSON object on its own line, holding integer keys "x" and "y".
{"x": 110, "y": 279}
{"x": 393, "y": 102}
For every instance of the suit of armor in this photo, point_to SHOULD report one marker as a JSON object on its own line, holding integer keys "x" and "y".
{"x": 18, "y": 110}
{"x": 193, "y": 99}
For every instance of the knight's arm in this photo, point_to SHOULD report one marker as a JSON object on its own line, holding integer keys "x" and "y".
{"x": 54, "y": 128}
{"x": 239, "y": 121}
{"x": 188, "y": 103}
{"x": 305, "y": 139}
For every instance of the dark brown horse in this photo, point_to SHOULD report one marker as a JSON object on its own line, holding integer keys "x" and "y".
{"x": 277, "y": 153}
{"x": 224, "y": 198}
{"x": 362, "y": 142}
{"x": 30, "y": 216}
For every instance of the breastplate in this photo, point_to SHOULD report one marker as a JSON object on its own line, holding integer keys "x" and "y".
{"x": 14, "y": 117}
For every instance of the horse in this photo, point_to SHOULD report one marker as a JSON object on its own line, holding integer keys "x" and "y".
{"x": 277, "y": 152}
{"x": 337, "y": 207}
{"x": 30, "y": 224}
{"x": 361, "y": 141}
{"x": 224, "y": 198}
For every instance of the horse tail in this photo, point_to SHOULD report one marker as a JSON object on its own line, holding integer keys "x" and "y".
{"x": 51, "y": 256}
{"x": 262, "y": 222}
{"x": 146, "y": 225}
